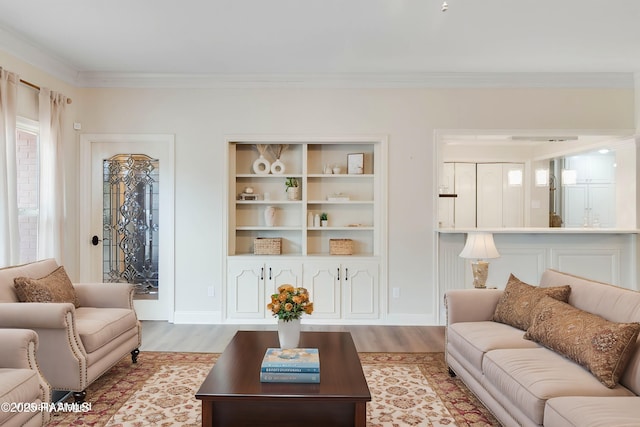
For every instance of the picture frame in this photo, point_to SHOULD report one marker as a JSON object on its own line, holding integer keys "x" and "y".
{"x": 355, "y": 163}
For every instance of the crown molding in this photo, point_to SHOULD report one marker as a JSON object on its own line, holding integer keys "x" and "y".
{"x": 359, "y": 80}
{"x": 34, "y": 55}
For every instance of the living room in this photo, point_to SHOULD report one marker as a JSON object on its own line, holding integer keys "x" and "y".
{"x": 410, "y": 105}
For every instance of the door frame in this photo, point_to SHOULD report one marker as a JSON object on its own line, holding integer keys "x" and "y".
{"x": 167, "y": 254}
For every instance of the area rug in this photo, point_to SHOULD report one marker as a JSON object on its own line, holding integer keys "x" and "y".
{"x": 407, "y": 389}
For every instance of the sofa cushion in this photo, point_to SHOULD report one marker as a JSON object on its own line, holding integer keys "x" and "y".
{"x": 54, "y": 287}
{"x": 519, "y": 298}
{"x": 99, "y": 326}
{"x": 18, "y": 385}
{"x": 527, "y": 378}
{"x": 472, "y": 340}
{"x": 592, "y": 411}
{"x": 599, "y": 345}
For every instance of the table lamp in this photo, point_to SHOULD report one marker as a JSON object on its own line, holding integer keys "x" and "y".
{"x": 479, "y": 246}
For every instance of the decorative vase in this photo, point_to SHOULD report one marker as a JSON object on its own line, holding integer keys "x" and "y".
{"x": 261, "y": 166}
{"x": 289, "y": 333}
{"x": 293, "y": 193}
{"x": 270, "y": 216}
{"x": 277, "y": 167}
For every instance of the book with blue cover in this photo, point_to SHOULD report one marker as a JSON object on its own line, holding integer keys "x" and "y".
{"x": 290, "y": 365}
{"x": 279, "y": 377}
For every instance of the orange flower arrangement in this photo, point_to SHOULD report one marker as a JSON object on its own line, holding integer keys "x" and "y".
{"x": 290, "y": 303}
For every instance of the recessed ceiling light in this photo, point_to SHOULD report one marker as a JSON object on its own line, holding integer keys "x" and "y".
{"x": 603, "y": 151}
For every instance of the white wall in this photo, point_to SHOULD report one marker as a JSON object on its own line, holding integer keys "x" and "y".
{"x": 200, "y": 119}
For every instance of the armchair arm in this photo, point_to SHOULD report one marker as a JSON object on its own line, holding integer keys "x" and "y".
{"x": 471, "y": 305}
{"x": 105, "y": 295}
{"x": 18, "y": 348}
{"x": 35, "y": 315}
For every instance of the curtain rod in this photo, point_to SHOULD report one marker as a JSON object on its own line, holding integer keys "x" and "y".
{"x": 36, "y": 87}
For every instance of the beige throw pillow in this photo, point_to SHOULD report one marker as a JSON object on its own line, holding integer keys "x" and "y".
{"x": 518, "y": 300}
{"x": 601, "y": 346}
{"x": 55, "y": 287}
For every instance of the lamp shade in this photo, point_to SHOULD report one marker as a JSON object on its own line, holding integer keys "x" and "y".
{"x": 479, "y": 246}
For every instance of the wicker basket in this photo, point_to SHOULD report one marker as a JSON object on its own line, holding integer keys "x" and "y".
{"x": 267, "y": 246}
{"x": 340, "y": 246}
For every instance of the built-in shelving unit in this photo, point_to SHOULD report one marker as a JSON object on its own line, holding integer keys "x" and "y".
{"x": 355, "y": 204}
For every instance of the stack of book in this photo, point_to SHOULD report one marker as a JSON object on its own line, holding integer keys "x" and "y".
{"x": 296, "y": 365}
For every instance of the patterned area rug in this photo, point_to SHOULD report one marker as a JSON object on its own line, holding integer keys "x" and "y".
{"x": 408, "y": 389}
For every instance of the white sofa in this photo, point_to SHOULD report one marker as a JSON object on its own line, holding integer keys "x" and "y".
{"x": 21, "y": 382}
{"x": 76, "y": 344}
{"x": 524, "y": 383}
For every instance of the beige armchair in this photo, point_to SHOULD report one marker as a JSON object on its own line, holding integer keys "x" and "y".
{"x": 21, "y": 382}
{"x": 77, "y": 344}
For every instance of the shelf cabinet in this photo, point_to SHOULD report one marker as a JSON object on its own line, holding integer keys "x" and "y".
{"x": 355, "y": 206}
{"x": 251, "y": 283}
{"x": 343, "y": 289}
{"x": 352, "y": 201}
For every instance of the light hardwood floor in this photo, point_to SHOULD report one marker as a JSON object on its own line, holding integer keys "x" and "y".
{"x": 164, "y": 336}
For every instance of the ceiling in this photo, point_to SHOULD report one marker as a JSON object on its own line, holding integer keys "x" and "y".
{"x": 87, "y": 42}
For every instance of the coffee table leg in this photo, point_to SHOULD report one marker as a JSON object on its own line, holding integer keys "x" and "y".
{"x": 360, "y": 414}
{"x": 207, "y": 413}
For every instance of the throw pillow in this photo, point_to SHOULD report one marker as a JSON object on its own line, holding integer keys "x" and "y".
{"x": 601, "y": 346}
{"x": 55, "y": 287}
{"x": 519, "y": 298}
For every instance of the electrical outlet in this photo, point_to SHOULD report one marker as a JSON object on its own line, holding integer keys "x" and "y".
{"x": 211, "y": 291}
{"x": 396, "y": 292}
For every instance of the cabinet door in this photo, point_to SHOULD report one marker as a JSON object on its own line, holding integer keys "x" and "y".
{"x": 465, "y": 188}
{"x": 446, "y": 204}
{"x": 322, "y": 280}
{"x": 245, "y": 290}
{"x": 489, "y": 195}
{"x": 602, "y": 204}
{"x": 279, "y": 273}
{"x": 360, "y": 290}
{"x": 512, "y": 196}
{"x": 574, "y": 204}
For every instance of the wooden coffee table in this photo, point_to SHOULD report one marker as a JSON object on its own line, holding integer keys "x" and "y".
{"x": 232, "y": 394}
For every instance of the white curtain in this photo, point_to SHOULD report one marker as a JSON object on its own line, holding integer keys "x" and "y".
{"x": 51, "y": 220}
{"x": 9, "y": 231}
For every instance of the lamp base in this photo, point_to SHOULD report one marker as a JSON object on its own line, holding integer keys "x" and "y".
{"x": 480, "y": 272}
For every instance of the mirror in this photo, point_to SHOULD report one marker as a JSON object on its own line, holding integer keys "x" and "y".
{"x": 528, "y": 181}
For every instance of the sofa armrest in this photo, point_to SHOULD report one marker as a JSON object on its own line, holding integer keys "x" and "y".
{"x": 105, "y": 295}
{"x": 35, "y": 315}
{"x": 471, "y": 305}
{"x": 18, "y": 350}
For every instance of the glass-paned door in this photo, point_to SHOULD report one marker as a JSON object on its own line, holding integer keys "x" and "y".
{"x": 130, "y": 239}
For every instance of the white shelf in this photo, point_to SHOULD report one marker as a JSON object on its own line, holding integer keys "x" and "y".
{"x": 268, "y": 202}
{"x": 340, "y": 202}
{"x": 340, "y": 175}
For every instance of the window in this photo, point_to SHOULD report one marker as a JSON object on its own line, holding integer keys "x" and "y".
{"x": 27, "y": 162}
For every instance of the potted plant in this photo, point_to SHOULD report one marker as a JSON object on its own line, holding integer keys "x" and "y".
{"x": 323, "y": 219}
{"x": 292, "y": 188}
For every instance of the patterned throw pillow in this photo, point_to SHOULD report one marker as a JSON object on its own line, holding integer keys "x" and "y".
{"x": 518, "y": 300}
{"x": 601, "y": 346}
{"x": 55, "y": 287}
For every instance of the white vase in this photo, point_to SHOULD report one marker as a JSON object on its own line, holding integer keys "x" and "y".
{"x": 277, "y": 167}
{"x": 262, "y": 166}
{"x": 270, "y": 216}
{"x": 289, "y": 333}
{"x": 293, "y": 193}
